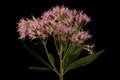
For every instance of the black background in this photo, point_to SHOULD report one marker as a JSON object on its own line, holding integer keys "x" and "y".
{"x": 103, "y": 27}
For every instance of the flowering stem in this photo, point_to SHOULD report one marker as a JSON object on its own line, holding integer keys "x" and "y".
{"x": 61, "y": 69}
{"x": 55, "y": 44}
{"x": 60, "y": 56}
{"x": 54, "y": 68}
{"x": 66, "y": 53}
{"x": 61, "y": 64}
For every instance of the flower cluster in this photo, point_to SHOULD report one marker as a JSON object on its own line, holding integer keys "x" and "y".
{"x": 33, "y": 28}
{"x": 60, "y": 22}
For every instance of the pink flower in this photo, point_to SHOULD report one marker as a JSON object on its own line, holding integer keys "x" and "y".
{"x": 60, "y": 21}
{"x": 22, "y": 28}
{"x": 80, "y": 37}
{"x": 34, "y": 28}
{"x": 89, "y": 48}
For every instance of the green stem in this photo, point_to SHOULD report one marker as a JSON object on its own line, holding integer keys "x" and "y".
{"x": 61, "y": 63}
{"x": 61, "y": 69}
{"x": 55, "y": 44}
{"x": 67, "y": 51}
{"x": 61, "y": 77}
{"x": 59, "y": 51}
{"x": 54, "y": 69}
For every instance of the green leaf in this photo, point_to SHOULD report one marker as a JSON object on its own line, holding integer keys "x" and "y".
{"x": 39, "y": 68}
{"x": 71, "y": 50}
{"x": 51, "y": 60}
{"x": 77, "y": 50}
{"x": 35, "y": 54}
{"x": 74, "y": 55}
{"x": 68, "y": 51}
{"x": 83, "y": 61}
{"x": 65, "y": 47}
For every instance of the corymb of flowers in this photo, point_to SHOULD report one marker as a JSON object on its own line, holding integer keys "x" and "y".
{"x": 65, "y": 26}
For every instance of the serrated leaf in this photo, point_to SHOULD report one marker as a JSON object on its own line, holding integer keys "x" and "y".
{"x": 51, "y": 59}
{"x": 35, "y": 54}
{"x": 39, "y": 68}
{"x": 83, "y": 61}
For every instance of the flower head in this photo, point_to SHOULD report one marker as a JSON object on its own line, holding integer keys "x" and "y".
{"x": 80, "y": 37}
{"x": 59, "y": 21}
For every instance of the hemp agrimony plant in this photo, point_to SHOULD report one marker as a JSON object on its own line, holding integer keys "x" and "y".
{"x": 65, "y": 26}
